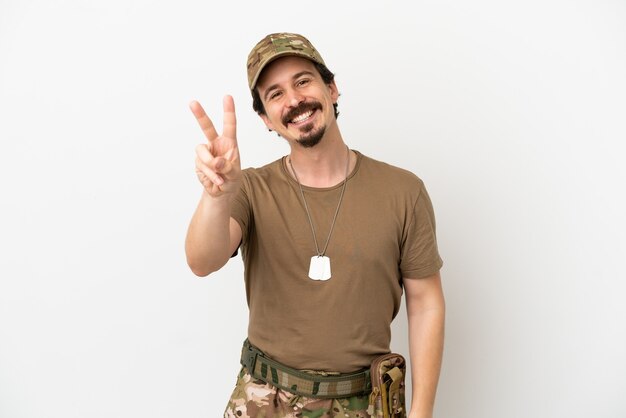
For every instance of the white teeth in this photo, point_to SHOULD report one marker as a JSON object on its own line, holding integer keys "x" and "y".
{"x": 302, "y": 117}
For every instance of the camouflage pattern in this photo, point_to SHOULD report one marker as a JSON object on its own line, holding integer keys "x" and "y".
{"x": 387, "y": 399}
{"x": 253, "y": 398}
{"x": 277, "y": 45}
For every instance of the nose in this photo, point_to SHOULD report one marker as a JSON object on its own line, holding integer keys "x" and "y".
{"x": 294, "y": 98}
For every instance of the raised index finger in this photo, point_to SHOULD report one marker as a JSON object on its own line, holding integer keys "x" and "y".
{"x": 203, "y": 120}
{"x": 230, "y": 120}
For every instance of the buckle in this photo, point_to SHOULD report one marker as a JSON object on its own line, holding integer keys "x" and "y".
{"x": 249, "y": 356}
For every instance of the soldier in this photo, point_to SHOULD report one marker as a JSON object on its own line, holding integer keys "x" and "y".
{"x": 330, "y": 239}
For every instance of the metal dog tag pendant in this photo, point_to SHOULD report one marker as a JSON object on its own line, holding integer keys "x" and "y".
{"x": 319, "y": 268}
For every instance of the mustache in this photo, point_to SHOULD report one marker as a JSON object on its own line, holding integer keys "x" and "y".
{"x": 300, "y": 109}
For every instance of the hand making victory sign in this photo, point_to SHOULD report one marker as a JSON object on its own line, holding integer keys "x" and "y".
{"x": 217, "y": 161}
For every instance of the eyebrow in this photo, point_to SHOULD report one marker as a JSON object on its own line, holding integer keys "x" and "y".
{"x": 296, "y": 76}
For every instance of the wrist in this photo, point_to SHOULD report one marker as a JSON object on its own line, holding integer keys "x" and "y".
{"x": 222, "y": 199}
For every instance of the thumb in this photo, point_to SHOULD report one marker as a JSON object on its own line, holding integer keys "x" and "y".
{"x": 225, "y": 166}
{"x": 232, "y": 155}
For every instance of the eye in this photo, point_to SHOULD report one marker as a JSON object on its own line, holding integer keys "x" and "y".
{"x": 274, "y": 95}
{"x": 303, "y": 82}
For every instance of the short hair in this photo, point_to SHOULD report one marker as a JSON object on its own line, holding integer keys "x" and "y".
{"x": 325, "y": 73}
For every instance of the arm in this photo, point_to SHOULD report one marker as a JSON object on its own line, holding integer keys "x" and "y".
{"x": 426, "y": 313}
{"x": 213, "y": 235}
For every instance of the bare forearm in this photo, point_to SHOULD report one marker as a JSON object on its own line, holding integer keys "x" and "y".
{"x": 208, "y": 237}
{"x": 426, "y": 334}
{"x": 425, "y": 306}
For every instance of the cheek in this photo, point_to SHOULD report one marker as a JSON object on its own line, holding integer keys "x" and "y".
{"x": 276, "y": 119}
{"x": 273, "y": 113}
{"x": 267, "y": 120}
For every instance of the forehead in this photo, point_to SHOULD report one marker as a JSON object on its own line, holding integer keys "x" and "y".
{"x": 283, "y": 70}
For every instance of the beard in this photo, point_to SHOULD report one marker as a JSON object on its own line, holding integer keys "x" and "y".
{"x": 309, "y": 137}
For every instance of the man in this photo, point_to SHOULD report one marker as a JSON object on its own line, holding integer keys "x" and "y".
{"x": 330, "y": 239}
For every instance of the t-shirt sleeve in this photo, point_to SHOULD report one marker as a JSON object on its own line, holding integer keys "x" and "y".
{"x": 420, "y": 255}
{"x": 242, "y": 210}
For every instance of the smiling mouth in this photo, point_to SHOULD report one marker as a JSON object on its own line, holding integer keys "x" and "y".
{"x": 302, "y": 117}
{"x": 302, "y": 114}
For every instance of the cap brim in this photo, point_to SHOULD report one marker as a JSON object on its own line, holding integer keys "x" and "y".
{"x": 274, "y": 58}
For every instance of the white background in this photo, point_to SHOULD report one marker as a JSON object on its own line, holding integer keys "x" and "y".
{"x": 513, "y": 113}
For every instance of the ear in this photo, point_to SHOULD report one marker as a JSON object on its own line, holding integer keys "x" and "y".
{"x": 334, "y": 91}
{"x": 267, "y": 122}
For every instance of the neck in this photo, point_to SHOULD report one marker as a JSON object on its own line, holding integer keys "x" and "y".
{"x": 323, "y": 165}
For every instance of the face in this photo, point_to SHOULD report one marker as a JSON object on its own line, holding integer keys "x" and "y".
{"x": 298, "y": 105}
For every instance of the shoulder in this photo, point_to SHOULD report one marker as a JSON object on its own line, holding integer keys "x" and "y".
{"x": 265, "y": 174}
{"x": 389, "y": 176}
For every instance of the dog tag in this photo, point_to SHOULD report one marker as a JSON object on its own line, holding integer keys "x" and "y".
{"x": 319, "y": 268}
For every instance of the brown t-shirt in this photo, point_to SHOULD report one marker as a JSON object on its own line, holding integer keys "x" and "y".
{"x": 385, "y": 231}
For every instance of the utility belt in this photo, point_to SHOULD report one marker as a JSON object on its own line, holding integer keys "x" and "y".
{"x": 383, "y": 381}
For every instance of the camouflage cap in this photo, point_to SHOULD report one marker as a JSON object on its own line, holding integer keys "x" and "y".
{"x": 278, "y": 45}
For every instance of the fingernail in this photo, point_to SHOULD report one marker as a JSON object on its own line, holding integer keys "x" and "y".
{"x": 220, "y": 164}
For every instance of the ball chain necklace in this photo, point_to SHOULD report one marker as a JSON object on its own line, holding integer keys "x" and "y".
{"x": 319, "y": 269}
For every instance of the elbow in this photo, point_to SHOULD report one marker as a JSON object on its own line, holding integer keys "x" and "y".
{"x": 200, "y": 272}
{"x": 202, "y": 268}
{"x": 197, "y": 267}
{"x": 203, "y": 261}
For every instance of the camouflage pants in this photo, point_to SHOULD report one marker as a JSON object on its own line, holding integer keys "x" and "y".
{"x": 253, "y": 398}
